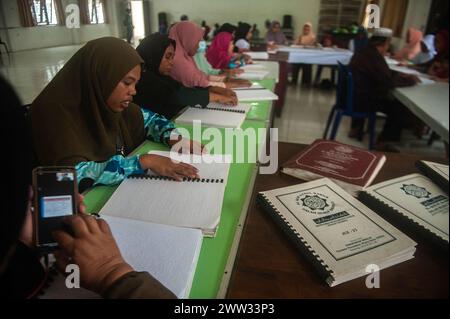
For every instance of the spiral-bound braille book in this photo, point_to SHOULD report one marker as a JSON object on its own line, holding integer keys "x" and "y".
{"x": 255, "y": 95}
{"x": 215, "y": 115}
{"x": 192, "y": 203}
{"x": 412, "y": 203}
{"x": 339, "y": 235}
{"x": 438, "y": 173}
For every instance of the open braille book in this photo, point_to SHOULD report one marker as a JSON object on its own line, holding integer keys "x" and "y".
{"x": 215, "y": 115}
{"x": 192, "y": 203}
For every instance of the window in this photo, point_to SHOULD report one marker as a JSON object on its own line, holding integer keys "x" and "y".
{"x": 44, "y": 12}
{"x": 340, "y": 17}
{"x": 96, "y": 11}
{"x": 394, "y": 13}
{"x": 341, "y": 13}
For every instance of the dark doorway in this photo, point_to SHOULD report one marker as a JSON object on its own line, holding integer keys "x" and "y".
{"x": 438, "y": 18}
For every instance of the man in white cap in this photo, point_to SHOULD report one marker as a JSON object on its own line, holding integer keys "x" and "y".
{"x": 383, "y": 33}
{"x": 373, "y": 81}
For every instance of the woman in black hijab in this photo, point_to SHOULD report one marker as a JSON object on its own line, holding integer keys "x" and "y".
{"x": 158, "y": 92}
{"x": 227, "y": 27}
{"x": 242, "y": 37}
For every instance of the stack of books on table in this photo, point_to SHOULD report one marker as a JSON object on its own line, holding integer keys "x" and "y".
{"x": 351, "y": 167}
{"x": 416, "y": 203}
{"x": 341, "y": 234}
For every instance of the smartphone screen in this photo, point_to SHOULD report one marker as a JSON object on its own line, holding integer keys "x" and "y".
{"x": 55, "y": 198}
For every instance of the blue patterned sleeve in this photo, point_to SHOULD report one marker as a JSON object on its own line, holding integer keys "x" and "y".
{"x": 117, "y": 168}
{"x": 159, "y": 129}
{"x": 111, "y": 172}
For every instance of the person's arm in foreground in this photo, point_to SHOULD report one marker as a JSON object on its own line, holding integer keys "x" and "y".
{"x": 102, "y": 268}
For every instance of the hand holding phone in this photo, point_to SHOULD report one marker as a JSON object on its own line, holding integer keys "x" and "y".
{"x": 55, "y": 198}
{"x": 93, "y": 248}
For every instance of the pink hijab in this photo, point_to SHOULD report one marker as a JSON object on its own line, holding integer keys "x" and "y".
{"x": 308, "y": 39}
{"x": 217, "y": 54}
{"x": 187, "y": 35}
{"x": 412, "y": 48}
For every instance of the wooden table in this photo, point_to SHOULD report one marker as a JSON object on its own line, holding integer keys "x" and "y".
{"x": 281, "y": 87}
{"x": 269, "y": 265}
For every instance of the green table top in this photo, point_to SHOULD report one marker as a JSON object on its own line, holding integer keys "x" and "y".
{"x": 215, "y": 251}
{"x": 260, "y": 111}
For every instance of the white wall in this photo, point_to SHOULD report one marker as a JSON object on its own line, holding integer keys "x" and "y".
{"x": 3, "y": 33}
{"x": 417, "y": 15}
{"x": 213, "y": 11}
{"x": 233, "y": 11}
{"x": 20, "y": 38}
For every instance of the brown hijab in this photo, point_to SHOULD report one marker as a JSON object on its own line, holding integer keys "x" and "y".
{"x": 70, "y": 119}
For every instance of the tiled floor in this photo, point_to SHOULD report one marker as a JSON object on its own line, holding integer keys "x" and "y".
{"x": 30, "y": 71}
{"x": 303, "y": 120}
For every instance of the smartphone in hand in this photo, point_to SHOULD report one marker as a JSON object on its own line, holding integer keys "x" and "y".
{"x": 55, "y": 198}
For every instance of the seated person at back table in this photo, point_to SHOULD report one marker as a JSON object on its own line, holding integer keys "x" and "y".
{"x": 438, "y": 67}
{"x": 221, "y": 56}
{"x": 308, "y": 37}
{"x": 373, "y": 81}
{"x": 202, "y": 63}
{"x": 158, "y": 92}
{"x": 427, "y": 52}
{"x": 412, "y": 47}
{"x": 275, "y": 36}
{"x": 441, "y": 46}
{"x": 243, "y": 36}
{"x": 187, "y": 36}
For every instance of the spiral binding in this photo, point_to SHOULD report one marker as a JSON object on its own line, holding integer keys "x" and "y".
{"x": 297, "y": 234}
{"x": 390, "y": 213}
{"x": 228, "y": 110}
{"x": 185, "y": 179}
{"x": 432, "y": 174}
{"x": 220, "y": 109}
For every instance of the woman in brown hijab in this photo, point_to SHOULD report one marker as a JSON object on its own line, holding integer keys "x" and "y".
{"x": 84, "y": 117}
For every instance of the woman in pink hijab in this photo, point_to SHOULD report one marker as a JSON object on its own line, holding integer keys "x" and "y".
{"x": 413, "y": 47}
{"x": 187, "y": 36}
{"x": 220, "y": 53}
{"x": 308, "y": 37}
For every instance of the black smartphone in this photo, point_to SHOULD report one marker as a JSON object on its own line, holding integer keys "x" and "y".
{"x": 55, "y": 198}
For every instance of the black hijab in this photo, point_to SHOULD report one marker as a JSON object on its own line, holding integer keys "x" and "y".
{"x": 154, "y": 89}
{"x": 17, "y": 174}
{"x": 21, "y": 274}
{"x": 71, "y": 120}
{"x": 227, "y": 27}
{"x": 242, "y": 31}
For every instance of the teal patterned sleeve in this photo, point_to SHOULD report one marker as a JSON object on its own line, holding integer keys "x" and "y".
{"x": 111, "y": 172}
{"x": 118, "y": 167}
{"x": 159, "y": 129}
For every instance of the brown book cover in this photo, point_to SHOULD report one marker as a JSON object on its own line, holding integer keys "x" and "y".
{"x": 343, "y": 163}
